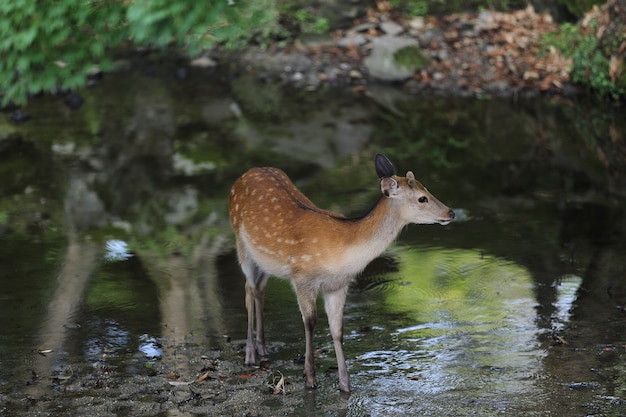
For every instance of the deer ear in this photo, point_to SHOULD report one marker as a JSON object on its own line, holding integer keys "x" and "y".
{"x": 384, "y": 167}
{"x": 388, "y": 186}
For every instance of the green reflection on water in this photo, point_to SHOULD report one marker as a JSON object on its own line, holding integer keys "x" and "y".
{"x": 458, "y": 307}
{"x": 457, "y": 285}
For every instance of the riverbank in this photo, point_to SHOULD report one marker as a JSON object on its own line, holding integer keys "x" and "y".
{"x": 479, "y": 54}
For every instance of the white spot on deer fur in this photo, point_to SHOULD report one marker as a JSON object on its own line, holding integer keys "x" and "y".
{"x": 306, "y": 258}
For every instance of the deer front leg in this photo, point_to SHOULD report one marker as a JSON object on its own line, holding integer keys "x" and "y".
{"x": 306, "y": 301}
{"x": 334, "y": 303}
{"x": 250, "y": 348}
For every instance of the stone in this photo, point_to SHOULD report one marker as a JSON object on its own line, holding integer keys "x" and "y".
{"x": 391, "y": 28}
{"x": 352, "y": 40}
{"x": 203, "y": 62}
{"x": 381, "y": 63}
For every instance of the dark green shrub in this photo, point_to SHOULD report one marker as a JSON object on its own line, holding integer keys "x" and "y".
{"x": 590, "y": 61}
{"x": 50, "y": 45}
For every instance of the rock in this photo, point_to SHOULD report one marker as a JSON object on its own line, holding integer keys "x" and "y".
{"x": 20, "y": 117}
{"x": 391, "y": 28}
{"x": 73, "y": 100}
{"x": 352, "y": 40}
{"x": 355, "y": 74}
{"x": 417, "y": 23}
{"x": 364, "y": 27}
{"x": 203, "y": 62}
{"x": 382, "y": 64}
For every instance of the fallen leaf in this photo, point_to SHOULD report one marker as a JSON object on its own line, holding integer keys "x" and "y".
{"x": 203, "y": 376}
{"x": 280, "y": 386}
{"x": 180, "y": 383}
{"x": 561, "y": 340}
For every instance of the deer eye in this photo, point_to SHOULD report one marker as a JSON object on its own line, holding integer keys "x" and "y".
{"x": 422, "y": 199}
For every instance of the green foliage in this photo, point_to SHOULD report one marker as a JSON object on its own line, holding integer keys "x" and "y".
{"x": 44, "y": 47}
{"x": 435, "y": 7}
{"x": 579, "y": 7}
{"x": 311, "y": 23}
{"x": 410, "y": 57}
{"x": 47, "y": 46}
{"x": 590, "y": 62}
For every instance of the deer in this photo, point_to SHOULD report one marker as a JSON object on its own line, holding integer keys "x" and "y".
{"x": 280, "y": 232}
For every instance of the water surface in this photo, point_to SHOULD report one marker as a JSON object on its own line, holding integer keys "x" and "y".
{"x": 116, "y": 250}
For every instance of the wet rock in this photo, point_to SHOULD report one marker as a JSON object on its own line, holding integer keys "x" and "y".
{"x": 382, "y": 63}
{"x": 203, "y": 62}
{"x": 20, "y": 117}
{"x": 73, "y": 100}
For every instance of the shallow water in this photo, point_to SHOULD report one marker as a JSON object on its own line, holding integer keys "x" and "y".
{"x": 116, "y": 250}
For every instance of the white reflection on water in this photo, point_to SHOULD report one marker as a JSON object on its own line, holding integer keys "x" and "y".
{"x": 566, "y": 296}
{"x": 116, "y": 250}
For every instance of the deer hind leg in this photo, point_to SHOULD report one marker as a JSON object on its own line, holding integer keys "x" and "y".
{"x": 306, "y": 301}
{"x": 256, "y": 281}
{"x": 334, "y": 303}
{"x": 261, "y": 283}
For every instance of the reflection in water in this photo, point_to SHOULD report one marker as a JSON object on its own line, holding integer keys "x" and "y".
{"x": 567, "y": 290}
{"x": 150, "y": 347}
{"x": 467, "y": 329}
{"x": 117, "y": 250}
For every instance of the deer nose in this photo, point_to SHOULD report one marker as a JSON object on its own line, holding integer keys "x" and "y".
{"x": 451, "y": 214}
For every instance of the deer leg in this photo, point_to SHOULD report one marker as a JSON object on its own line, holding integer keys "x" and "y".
{"x": 250, "y": 348}
{"x": 250, "y": 270}
{"x": 261, "y": 283}
{"x": 334, "y": 303}
{"x": 306, "y": 301}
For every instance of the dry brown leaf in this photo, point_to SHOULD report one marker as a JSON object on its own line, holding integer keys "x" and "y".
{"x": 561, "y": 340}
{"x": 615, "y": 68}
{"x": 203, "y": 376}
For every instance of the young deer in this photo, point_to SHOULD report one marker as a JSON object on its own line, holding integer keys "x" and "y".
{"x": 281, "y": 232}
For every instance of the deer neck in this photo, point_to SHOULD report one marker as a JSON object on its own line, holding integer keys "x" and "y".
{"x": 371, "y": 235}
